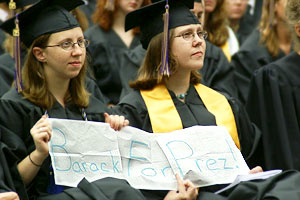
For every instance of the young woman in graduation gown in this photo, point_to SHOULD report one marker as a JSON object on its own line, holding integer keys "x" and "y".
{"x": 275, "y": 92}
{"x": 109, "y": 41}
{"x": 53, "y": 86}
{"x": 270, "y": 42}
{"x": 164, "y": 103}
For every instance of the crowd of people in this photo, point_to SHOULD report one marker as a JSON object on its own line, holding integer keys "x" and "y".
{"x": 159, "y": 66}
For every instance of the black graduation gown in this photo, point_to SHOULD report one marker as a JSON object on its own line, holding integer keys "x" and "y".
{"x": 10, "y": 180}
{"x": 7, "y": 71}
{"x": 274, "y": 105}
{"x": 251, "y": 56}
{"x": 18, "y": 115}
{"x": 2, "y": 38}
{"x": 106, "y": 49}
{"x": 216, "y": 71}
{"x": 89, "y": 10}
{"x": 192, "y": 112}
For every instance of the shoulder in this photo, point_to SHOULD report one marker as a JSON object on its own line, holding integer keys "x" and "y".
{"x": 95, "y": 33}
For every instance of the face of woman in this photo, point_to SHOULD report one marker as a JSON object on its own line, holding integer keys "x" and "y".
{"x": 188, "y": 48}
{"x": 198, "y": 10}
{"x": 127, "y": 6}
{"x": 65, "y": 63}
{"x": 210, "y": 5}
{"x": 236, "y": 9}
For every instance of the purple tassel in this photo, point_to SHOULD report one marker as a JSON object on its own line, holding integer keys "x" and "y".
{"x": 165, "y": 70}
{"x": 17, "y": 56}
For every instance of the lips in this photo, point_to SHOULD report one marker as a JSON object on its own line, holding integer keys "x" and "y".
{"x": 197, "y": 53}
{"x": 75, "y": 63}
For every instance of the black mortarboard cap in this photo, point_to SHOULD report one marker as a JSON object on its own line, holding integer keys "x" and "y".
{"x": 46, "y": 16}
{"x": 151, "y": 22}
{"x": 20, "y": 3}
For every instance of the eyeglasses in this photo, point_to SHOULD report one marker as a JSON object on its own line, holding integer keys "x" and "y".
{"x": 69, "y": 45}
{"x": 189, "y": 36}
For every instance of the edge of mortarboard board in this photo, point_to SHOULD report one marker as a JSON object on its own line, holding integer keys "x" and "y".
{"x": 36, "y": 9}
{"x": 136, "y": 18}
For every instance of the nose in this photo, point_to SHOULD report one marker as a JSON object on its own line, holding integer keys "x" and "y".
{"x": 197, "y": 40}
{"x": 77, "y": 50}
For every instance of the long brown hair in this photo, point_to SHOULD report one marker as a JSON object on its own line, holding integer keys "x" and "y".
{"x": 36, "y": 86}
{"x": 149, "y": 73}
{"x": 216, "y": 24}
{"x": 105, "y": 17}
{"x": 267, "y": 27}
{"x": 293, "y": 16}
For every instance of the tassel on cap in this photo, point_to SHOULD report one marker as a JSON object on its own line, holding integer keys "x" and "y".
{"x": 17, "y": 56}
{"x": 110, "y": 5}
{"x": 165, "y": 70}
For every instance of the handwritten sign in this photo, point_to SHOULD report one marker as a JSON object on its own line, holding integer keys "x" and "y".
{"x": 204, "y": 154}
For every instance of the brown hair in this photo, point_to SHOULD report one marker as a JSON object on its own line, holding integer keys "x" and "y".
{"x": 81, "y": 18}
{"x": 293, "y": 15}
{"x": 36, "y": 86}
{"x": 216, "y": 24}
{"x": 149, "y": 73}
{"x": 267, "y": 27}
{"x": 105, "y": 17}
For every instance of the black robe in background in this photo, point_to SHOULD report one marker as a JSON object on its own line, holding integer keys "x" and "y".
{"x": 216, "y": 71}
{"x": 274, "y": 106}
{"x": 19, "y": 115}
{"x": 106, "y": 49}
{"x": 251, "y": 56}
{"x": 249, "y": 22}
{"x": 89, "y": 10}
{"x": 2, "y": 38}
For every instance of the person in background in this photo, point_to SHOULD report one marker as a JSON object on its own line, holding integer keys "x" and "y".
{"x": 108, "y": 43}
{"x": 274, "y": 101}
{"x": 52, "y": 85}
{"x": 251, "y": 19}
{"x": 269, "y": 43}
{"x": 236, "y": 10}
{"x": 217, "y": 26}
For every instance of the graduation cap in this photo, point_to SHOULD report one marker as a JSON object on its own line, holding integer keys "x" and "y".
{"x": 44, "y": 17}
{"x": 158, "y": 17}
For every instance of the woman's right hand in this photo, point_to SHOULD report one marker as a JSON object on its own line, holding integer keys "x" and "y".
{"x": 41, "y": 134}
{"x": 186, "y": 191}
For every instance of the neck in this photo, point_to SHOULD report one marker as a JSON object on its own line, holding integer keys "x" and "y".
{"x": 179, "y": 82}
{"x": 58, "y": 88}
{"x": 119, "y": 21}
{"x": 283, "y": 32}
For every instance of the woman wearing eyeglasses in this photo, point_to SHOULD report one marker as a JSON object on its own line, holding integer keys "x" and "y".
{"x": 171, "y": 98}
{"x": 52, "y": 85}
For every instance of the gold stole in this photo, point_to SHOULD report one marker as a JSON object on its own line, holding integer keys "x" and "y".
{"x": 165, "y": 118}
{"x": 226, "y": 51}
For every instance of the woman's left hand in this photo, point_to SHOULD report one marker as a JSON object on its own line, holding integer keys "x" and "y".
{"x": 116, "y": 122}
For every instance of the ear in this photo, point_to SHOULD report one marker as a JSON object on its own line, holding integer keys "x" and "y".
{"x": 297, "y": 29}
{"x": 39, "y": 54}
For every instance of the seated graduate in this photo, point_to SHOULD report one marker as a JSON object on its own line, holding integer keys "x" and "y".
{"x": 109, "y": 41}
{"x": 269, "y": 42}
{"x": 274, "y": 102}
{"x": 170, "y": 97}
{"x": 52, "y": 85}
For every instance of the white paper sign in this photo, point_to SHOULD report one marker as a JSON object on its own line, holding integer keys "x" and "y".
{"x": 204, "y": 154}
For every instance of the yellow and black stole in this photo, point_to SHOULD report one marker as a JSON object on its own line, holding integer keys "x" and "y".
{"x": 165, "y": 118}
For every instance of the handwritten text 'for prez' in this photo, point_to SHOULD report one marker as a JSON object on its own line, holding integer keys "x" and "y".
{"x": 206, "y": 155}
